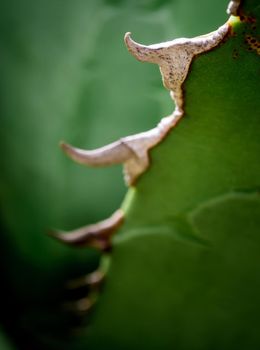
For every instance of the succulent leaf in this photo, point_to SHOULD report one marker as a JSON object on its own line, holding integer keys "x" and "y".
{"x": 183, "y": 271}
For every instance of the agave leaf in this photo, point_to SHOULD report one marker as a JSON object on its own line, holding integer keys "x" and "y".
{"x": 184, "y": 271}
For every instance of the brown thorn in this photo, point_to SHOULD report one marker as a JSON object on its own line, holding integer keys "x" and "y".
{"x": 80, "y": 306}
{"x": 93, "y": 280}
{"x": 114, "y": 153}
{"x": 97, "y": 235}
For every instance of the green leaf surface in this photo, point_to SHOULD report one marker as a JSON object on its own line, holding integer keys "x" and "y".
{"x": 184, "y": 270}
{"x": 164, "y": 291}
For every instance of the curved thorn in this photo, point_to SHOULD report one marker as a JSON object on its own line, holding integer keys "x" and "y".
{"x": 233, "y": 7}
{"x": 132, "y": 150}
{"x": 84, "y": 305}
{"x": 97, "y": 235}
{"x": 114, "y": 153}
{"x": 141, "y": 52}
{"x": 92, "y": 280}
{"x": 80, "y": 306}
{"x": 174, "y": 57}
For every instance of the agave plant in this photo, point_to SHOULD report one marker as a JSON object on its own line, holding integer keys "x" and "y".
{"x": 185, "y": 262}
{"x": 179, "y": 258}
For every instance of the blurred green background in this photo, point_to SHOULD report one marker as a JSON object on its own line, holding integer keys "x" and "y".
{"x": 66, "y": 74}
